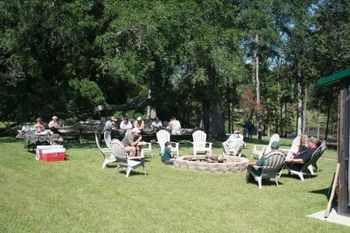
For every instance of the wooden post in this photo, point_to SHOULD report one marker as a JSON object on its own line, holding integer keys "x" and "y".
{"x": 343, "y": 149}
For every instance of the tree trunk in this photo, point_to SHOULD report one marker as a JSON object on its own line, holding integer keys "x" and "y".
{"x": 213, "y": 120}
{"x": 256, "y": 59}
{"x": 327, "y": 124}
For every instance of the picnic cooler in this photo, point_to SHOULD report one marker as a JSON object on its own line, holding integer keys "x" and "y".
{"x": 50, "y": 153}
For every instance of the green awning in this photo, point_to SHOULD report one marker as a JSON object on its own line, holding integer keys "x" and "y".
{"x": 328, "y": 80}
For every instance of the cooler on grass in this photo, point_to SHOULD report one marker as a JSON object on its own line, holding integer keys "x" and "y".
{"x": 50, "y": 153}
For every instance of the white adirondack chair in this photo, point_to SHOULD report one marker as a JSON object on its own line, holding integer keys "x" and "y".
{"x": 233, "y": 146}
{"x": 107, "y": 137}
{"x": 200, "y": 143}
{"x": 295, "y": 147}
{"x": 163, "y": 136}
{"x": 123, "y": 160}
{"x": 104, "y": 152}
{"x": 273, "y": 164}
{"x": 259, "y": 150}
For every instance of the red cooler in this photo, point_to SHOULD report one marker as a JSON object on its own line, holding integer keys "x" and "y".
{"x": 51, "y": 153}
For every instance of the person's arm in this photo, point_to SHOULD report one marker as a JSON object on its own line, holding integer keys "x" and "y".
{"x": 137, "y": 141}
{"x": 296, "y": 161}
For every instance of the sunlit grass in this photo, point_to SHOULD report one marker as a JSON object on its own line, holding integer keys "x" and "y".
{"x": 77, "y": 196}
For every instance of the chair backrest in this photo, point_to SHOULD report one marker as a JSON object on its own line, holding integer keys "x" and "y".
{"x": 163, "y": 136}
{"x": 315, "y": 156}
{"x": 118, "y": 151}
{"x": 232, "y": 143}
{"x": 274, "y": 138}
{"x": 98, "y": 146}
{"x": 107, "y": 137}
{"x": 294, "y": 147}
{"x": 199, "y": 136}
{"x": 273, "y": 163}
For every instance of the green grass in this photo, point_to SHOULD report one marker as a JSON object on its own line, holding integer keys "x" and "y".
{"x": 77, "y": 196}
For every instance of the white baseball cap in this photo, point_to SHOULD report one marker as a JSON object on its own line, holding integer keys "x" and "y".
{"x": 139, "y": 118}
{"x": 54, "y": 118}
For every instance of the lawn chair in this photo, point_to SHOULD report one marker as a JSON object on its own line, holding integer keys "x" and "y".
{"x": 108, "y": 138}
{"x": 273, "y": 164}
{"x": 295, "y": 147}
{"x": 123, "y": 159}
{"x": 233, "y": 146}
{"x": 106, "y": 159}
{"x": 313, "y": 164}
{"x": 200, "y": 143}
{"x": 259, "y": 150}
{"x": 163, "y": 136}
{"x": 307, "y": 167}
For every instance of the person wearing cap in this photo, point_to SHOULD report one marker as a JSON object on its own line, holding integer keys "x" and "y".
{"x": 139, "y": 123}
{"x": 257, "y": 171}
{"x": 298, "y": 159}
{"x": 125, "y": 125}
{"x": 131, "y": 142}
{"x": 54, "y": 125}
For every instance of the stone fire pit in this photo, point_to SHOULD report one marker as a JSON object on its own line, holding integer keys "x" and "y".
{"x": 222, "y": 163}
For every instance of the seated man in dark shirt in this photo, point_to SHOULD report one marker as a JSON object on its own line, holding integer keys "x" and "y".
{"x": 298, "y": 159}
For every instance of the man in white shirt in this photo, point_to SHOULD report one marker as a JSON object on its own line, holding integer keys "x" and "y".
{"x": 156, "y": 124}
{"x": 125, "y": 125}
{"x": 174, "y": 126}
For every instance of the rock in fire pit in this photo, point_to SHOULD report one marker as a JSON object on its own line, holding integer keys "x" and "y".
{"x": 212, "y": 163}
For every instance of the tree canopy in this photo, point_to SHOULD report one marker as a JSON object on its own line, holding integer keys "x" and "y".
{"x": 198, "y": 60}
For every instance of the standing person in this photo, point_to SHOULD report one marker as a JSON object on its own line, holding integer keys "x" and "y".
{"x": 250, "y": 129}
{"x": 174, "y": 126}
{"x": 260, "y": 131}
{"x": 139, "y": 123}
{"x": 38, "y": 126}
{"x": 124, "y": 126}
{"x": 131, "y": 142}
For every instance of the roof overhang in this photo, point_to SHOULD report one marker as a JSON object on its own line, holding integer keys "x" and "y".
{"x": 334, "y": 78}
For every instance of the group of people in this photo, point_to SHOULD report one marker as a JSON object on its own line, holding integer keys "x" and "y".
{"x": 249, "y": 128}
{"x": 174, "y": 126}
{"x": 306, "y": 149}
{"x": 132, "y": 132}
{"x": 54, "y": 125}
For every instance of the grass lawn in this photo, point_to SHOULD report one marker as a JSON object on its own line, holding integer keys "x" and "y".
{"x": 77, "y": 196}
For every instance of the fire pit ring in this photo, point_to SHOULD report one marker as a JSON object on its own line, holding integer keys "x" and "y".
{"x": 220, "y": 164}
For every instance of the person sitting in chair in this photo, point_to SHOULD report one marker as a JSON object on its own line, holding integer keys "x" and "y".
{"x": 54, "y": 125}
{"x": 167, "y": 157}
{"x": 124, "y": 126}
{"x": 298, "y": 159}
{"x": 257, "y": 171}
{"x": 156, "y": 124}
{"x": 139, "y": 123}
{"x": 131, "y": 142}
{"x": 38, "y": 126}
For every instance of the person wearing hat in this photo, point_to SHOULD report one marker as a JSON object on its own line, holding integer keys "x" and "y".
{"x": 55, "y": 125}
{"x": 298, "y": 159}
{"x": 131, "y": 142}
{"x": 257, "y": 171}
{"x": 139, "y": 123}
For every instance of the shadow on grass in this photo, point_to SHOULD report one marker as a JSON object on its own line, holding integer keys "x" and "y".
{"x": 9, "y": 139}
{"x": 265, "y": 182}
{"x": 324, "y": 191}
